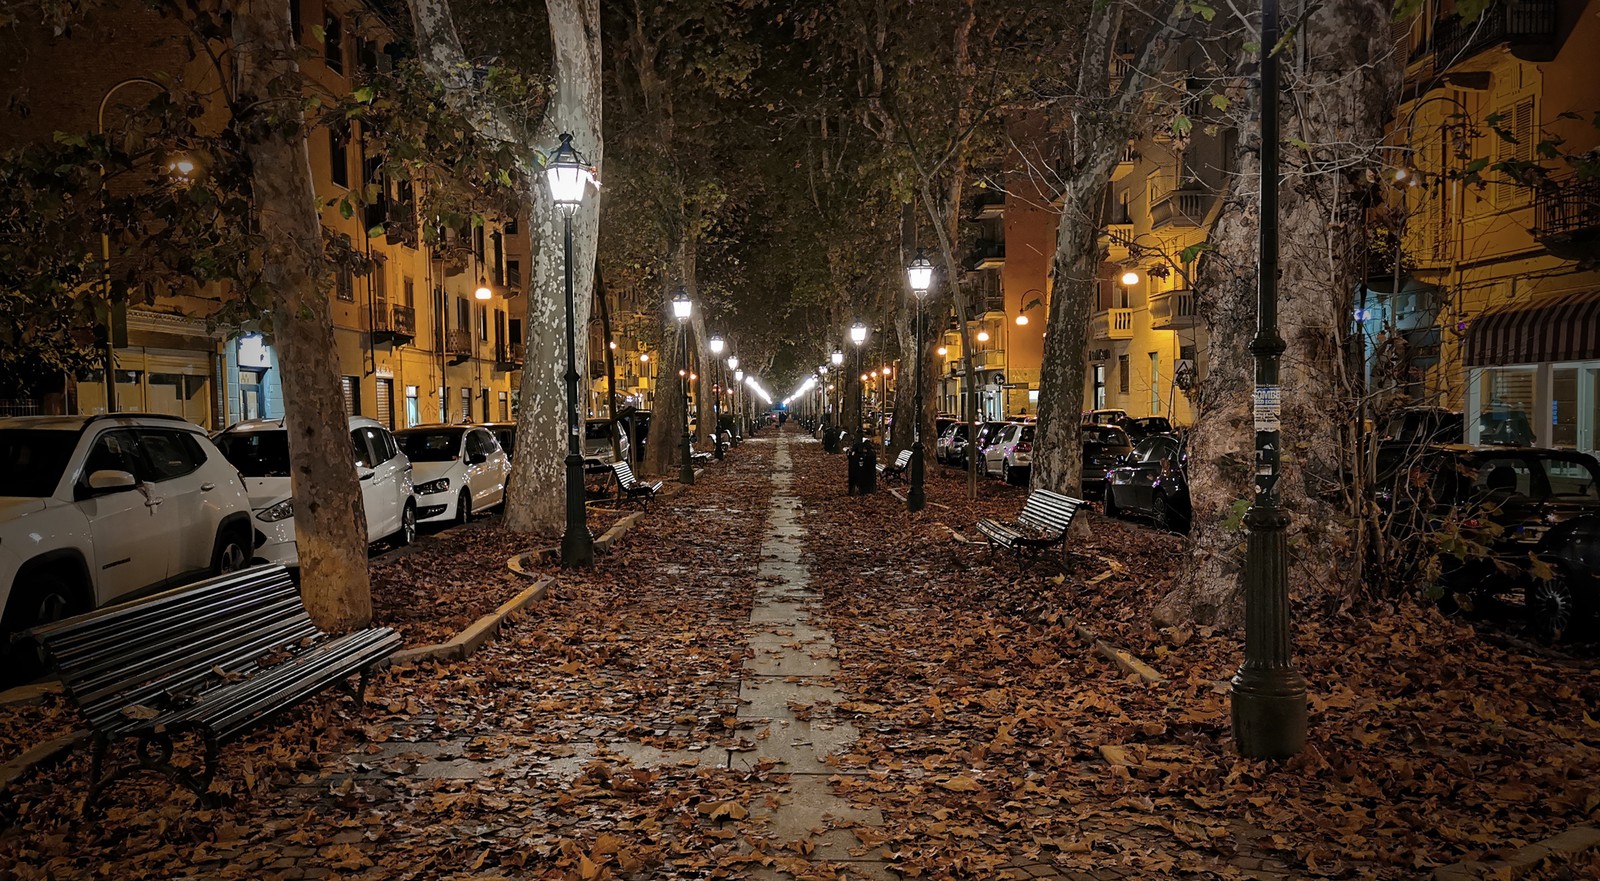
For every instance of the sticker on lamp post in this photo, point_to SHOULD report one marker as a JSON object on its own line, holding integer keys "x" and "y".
{"x": 1268, "y": 407}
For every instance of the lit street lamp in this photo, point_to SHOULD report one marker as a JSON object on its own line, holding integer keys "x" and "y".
{"x": 1269, "y": 694}
{"x": 716, "y": 344}
{"x": 568, "y": 178}
{"x": 920, "y": 273}
{"x": 858, "y": 336}
{"x": 682, "y": 308}
{"x": 738, "y": 399}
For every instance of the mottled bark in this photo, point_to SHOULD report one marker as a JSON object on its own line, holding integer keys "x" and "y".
{"x": 330, "y": 527}
{"x": 667, "y": 422}
{"x": 1058, "y": 444}
{"x": 1337, "y": 95}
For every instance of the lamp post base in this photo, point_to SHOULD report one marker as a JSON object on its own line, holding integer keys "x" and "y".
{"x": 1269, "y": 712}
{"x": 686, "y": 473}
{"x": 577, "y": 546}
{"x": 915, "y": 500}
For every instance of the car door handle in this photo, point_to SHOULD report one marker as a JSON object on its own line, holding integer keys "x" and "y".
{"x": 368, "y": 475}
{"x": 153, "y": 502}
{"x": 207, "y": 487}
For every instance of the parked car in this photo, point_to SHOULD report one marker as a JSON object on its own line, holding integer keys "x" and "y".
{"x": 1503, "y": 510}
{"x": 597, "y": 452}
{"x": 953, "y": 436}
{"x": 1153, "y": 482}
{"x": 1011, "y": 455}
{"x": 1147, "y": 426}
{"x": 1424, "y": 425}
{"x": 260, "y": 450}
{"x": 987, "y": 434}
{"x": 1104, "y": 447}
{"x": 942, "y": 422}
{"x": 456, "y": 470}
{"x": 95, "y": 509}
{"x": 1118, "y": 418}
{"x": 505, "y": 434}
{"x": 636, "y": 424}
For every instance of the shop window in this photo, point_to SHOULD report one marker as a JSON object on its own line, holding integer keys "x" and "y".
{"x": 1505, "y": 406}
{"x": 351, "y": 387}
{"x": 413, "y": 406}
{"x": 1564, "y": 409}
{"x": 505, "y": 408}
{"x": 1099, "y": 395}
{"x": 1122, "y": 374}
{"x": 466, "y": 405}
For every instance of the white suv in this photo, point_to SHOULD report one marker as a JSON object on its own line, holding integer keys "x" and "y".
{"x": 457, "y": 469}
{"x": 260, "y": 450}
{"x": 95, "y": 508}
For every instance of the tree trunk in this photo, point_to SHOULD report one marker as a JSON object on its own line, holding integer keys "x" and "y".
{"x": 1339, "y": 94}
{"x": 539, "y": 458}
{"x": 330, "y": 527}
{"x": 611, "y": 364}
{"x": 1058, "y": 444}
{"x": 667, "y": 412}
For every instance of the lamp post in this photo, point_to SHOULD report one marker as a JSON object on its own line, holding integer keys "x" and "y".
{"x": 738, "y": 400}
{"x": 568, "y": 178}
{"x": 682, "y": 308}
{"x": 716, "y": 344}
{"x": 1269, "y": 694}
{"x": 858, "y": 336}
{"x": 920, "y": 273}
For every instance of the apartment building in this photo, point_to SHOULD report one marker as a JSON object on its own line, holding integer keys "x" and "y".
{"x": 432, "y": 333}
{"x": 1490, "y": 304}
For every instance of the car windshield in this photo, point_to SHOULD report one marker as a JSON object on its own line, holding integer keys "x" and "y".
{"x": 32, "y": 460}
{"x": 441, "y": 445}
{"x": 257, "y": 453}
{"x": 1107, "y": 435}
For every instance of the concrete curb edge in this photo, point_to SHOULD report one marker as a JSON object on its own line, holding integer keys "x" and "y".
{"x": 1124, "y": 659}
{"x": 1574, "y": 841}
{"x": 463, "y": 644}
{"x": 39, "y": 755}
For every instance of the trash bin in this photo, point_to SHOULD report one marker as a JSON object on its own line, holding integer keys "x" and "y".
{"x": 863, "y": 468}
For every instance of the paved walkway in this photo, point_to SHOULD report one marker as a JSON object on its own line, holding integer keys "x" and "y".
{"x": 788, "y": 689}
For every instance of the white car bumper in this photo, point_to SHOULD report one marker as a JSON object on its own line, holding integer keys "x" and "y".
{"x": 438, "y": 507}
{"x": 275, "y": 542}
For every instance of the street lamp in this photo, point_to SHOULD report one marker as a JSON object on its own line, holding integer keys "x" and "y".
{"x": 1269, "y": 694}
{"x": 568, "y": 177}
{"x": 738, "y": 400}
{"x": 858, "y": 336}
{"x": 716, "y": 344}
{"x": 682, "y": 308}
{"x": 920, "y": 273}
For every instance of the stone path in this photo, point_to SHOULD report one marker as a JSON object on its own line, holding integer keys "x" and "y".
{"x": 788, "y": 693}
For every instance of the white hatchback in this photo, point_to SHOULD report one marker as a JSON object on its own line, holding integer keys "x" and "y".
{"x": 260, "y": 450}
{"x": 457, "y": 469}
{"x": 1011, "y": 456}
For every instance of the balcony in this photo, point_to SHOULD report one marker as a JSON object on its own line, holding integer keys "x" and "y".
{"x": 509, "y": 356}
{"x": 1121, "y": 66}
{"x": 1182, "y": 207}
{"x": 987, "y": 254}
{"x": 1567, "y": 219}
{"x": 1112, "y": 324}
{"x": 1525, "y": 27}
{"x": 395, "y": 324}
{"x": 1125, "y": 162}
{"x": 1119, "y": 241}
{"x": 1172, "y": 310}
{"x": 458, "y": 345}
{"x": 989, "y": 205}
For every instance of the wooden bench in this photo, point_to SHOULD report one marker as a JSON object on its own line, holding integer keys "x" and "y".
{"x": 215, "y": 658}
{"x": 898, "y": 469}
{"x": 630, "y": 488}
{"x": 1044, "y": 522}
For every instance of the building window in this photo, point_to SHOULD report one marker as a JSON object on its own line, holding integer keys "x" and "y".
{"x": 444, "y": 401}
{"x": 333, "y": 42}
{"x": 483, "y": 324}
{"x": 410, "y": 289}
{"x": 380, "y": 285}
{"x": 466, "y": 405}
{"x": 505, "y": 407}
{"x": 413, "y": 406}
{"x": 486, "y": 416}
{"x": 344, "y": 284}
{"x": 514, "y": 275}
{"x": 351, "y": 386}
{"x": 510, "y": 227}
{"x": 1122, "y": 374}
{"x": 1099, "y": 396}
{"x": 1155, "y": 384}
{"x": 385, "y": 402}
{"x": 463, "y": 314}
{"x": 339, "y": 155}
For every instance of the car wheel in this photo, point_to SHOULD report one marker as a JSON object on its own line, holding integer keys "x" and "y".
{"x": 408, "y": 525}
{"x": 232, "y": 554}
{"x": 1552, "y": 607}
{"x": 1161, "y": 513}
{"x": 1006, "y": 476}
{"x": 43, "y": 598}
{"x": 464, "y": 507}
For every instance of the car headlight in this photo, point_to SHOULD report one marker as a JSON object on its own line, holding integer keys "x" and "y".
{"x": 442, "y": 485}
{"x": 281, "y": 511}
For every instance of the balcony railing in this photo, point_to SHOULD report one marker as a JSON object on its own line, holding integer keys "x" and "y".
{"x": 395, "y": 324}
{"x": 1119, "y": 239}
{"x": 988, "y": 205}
{"x": 509, "y": 355}
{"x": 1181, "y": 207}
{"x": 1567, "y": 219}
{"x": 1526, "y": 27}
{"x": 1113, "y": 324}
{"x": 458, "y": 342}
{"x": 1170, "y": 310}
{"x": 987, "y": 254}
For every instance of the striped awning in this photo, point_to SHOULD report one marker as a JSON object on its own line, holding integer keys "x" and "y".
{"x": 1564, "y": 327}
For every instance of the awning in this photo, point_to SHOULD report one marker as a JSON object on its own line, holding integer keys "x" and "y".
{"x": 1564, "y": 327}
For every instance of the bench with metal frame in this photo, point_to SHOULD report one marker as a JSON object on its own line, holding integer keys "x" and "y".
{"x": 897, "y": 470}
{"x": 1045, "y": 520}
{"x": 215, "y": 658}
{"x": 630, "y": 488}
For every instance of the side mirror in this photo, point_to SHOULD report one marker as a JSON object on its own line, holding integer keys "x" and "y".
{"x": 105, "y": 482}
{"x": 476, "y": 458}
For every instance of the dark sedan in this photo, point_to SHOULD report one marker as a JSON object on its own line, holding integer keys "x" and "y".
{"x": 1152, "y": 483}
{"x": 1104, "y": 447}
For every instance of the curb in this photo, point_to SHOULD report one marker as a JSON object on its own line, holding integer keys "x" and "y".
{"x": 37, "y": 756}
{"x": 30, "y": 694}
{"x": 1124, "y": 660}
{"x": 463, "y": 644}
{"x": 616, "y": 532}
{"x": 1574, "y": 841}
{"x": 519, "y": 564}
